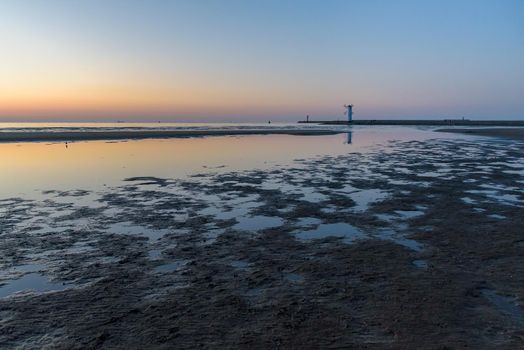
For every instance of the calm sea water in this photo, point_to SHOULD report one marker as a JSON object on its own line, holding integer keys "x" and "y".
{"x": 32, "y": 167}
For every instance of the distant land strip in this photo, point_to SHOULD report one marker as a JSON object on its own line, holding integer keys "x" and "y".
{"x": 435, "y": 122}
{"x": 29, "y": 136}
{"x": 512, "y": 133}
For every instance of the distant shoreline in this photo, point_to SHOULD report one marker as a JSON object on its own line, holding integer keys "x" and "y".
{"x": 33, "y": 136}
{"x": 512, "y": 133}
{"x": 429, "y": 122}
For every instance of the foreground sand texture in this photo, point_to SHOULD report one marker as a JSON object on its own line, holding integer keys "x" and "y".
{"x": 419, "y": 245}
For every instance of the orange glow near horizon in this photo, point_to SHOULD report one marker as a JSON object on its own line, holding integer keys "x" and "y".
{"x": 191, "y": 61}
{"x": 158, "y": 98}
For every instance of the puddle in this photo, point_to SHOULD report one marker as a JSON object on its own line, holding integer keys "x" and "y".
{"x": 305, "y": 222}
{"x": 430, "y": 174}
{"x": 391, "y": 235}
{"x": 330, "y": 209}
{"x": 409, "y": 214}
{"x": 409, "y": 243}
{"x": 497, "y": 216}
{"x": 154, "y": 254}
{"x": 241, "y": 208}
{"x": 468, "y": 200}
{"x": 346, "y": 231}
{"x": 365, "y": 197}
{"x": 507, "y": 198}
{"x": 505, "y": 305}
{"x": 257, "y": 223}
{"x": 30, "y": 282}
{"x": 254, "y": 293}
{"x": 172, "y": 266}
{"x": 211, "y": 235}
{"x": 497, "y": 196}
{"x": 311, "y": 195}
{"x": 81, "y": 247}
{"x": 127, "y": 228}
{"x": 30, "y": 268}
{"x": 421, "y": 263}
{"x": 294, "y": 278}
{"x": 239, "y": 264}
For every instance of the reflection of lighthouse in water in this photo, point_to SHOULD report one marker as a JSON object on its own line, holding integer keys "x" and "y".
{"x": 349, "y": 136}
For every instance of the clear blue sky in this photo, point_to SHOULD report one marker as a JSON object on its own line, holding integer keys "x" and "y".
{"x": 234, "y": 60}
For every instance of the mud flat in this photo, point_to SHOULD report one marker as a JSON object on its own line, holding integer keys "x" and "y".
{"x": 512, "y": 133}
{"x": 28, "y": 136}
{"x": 418, "y": 245}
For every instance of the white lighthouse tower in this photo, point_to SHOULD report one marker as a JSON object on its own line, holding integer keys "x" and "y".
{"x": 349, "y": 112}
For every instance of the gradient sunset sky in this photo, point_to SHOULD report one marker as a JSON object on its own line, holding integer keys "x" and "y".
{"x": 241, "y": 60}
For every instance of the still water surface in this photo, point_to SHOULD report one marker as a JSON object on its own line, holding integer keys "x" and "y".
{"x": 31, "y": 167}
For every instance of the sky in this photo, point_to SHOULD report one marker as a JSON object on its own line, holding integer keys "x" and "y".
{"x": 258, "y": 60}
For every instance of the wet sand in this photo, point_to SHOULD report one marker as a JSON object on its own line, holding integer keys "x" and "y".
{"x": 417, "y": 246}
{"x": 512, "y": 133}
{"x": 28, "y": 136}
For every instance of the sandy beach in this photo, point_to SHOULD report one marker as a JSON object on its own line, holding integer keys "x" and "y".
{"x": 415, "y": 245}
{"x": 512, "y": 133}
{"x": 29, "y": 136}
{"x": 278, "y": 174}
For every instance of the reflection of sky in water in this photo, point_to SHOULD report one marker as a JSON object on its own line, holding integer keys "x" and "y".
{"x": 154, "y": 254}
{"x": 420, "y": 263}
{"x": 30, "y": 282}
{"x": 395, "y": 235}
{"x": 29, "y": 168}
{"x": 257, "y": 222}
{"x": 239, "y": 264}
{"x": 306, "y": 222}
{"x": 127, "y": 228}
{"x": 172, "y": 266}
{"x": 294, "y": 278}
{"x": 342, "y": 230}
{"x": 365, "y": 197}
